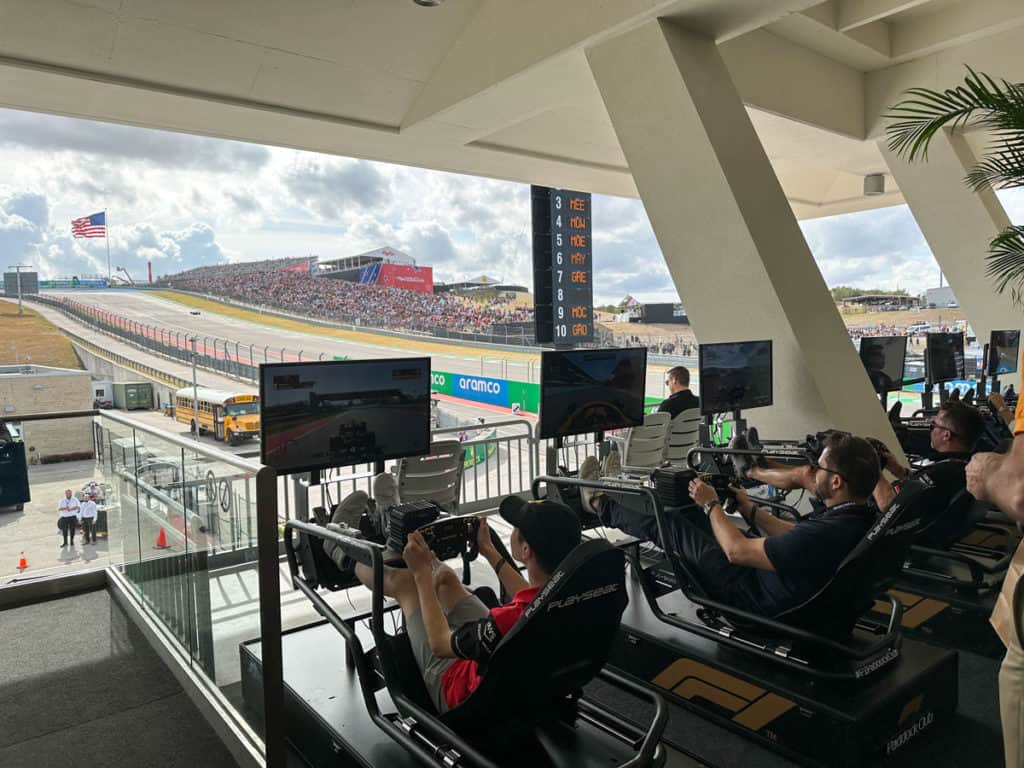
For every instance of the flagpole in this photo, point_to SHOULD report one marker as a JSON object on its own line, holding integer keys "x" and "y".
{"x": 106, "y": 236}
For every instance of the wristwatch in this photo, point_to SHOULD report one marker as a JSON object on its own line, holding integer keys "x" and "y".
{"x": 710, "y": 505}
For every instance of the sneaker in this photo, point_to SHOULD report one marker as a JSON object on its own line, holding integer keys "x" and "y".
{"x": 350, "y": 511}
{"x": 894, "y": 413}
{"x": 740, "y": 464}
{"x": 612, "y": 466}
{"x": 590, "y": 470}
{"x": 334, "y": 551}
{"x": 385, "y": 491}
{"x": 754, "y": 442}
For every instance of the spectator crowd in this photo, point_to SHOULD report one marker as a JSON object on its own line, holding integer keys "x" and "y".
{"x": 264, "y": 284}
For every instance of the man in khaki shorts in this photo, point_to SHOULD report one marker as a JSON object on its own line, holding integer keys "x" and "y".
{"x": 999, "y": 479}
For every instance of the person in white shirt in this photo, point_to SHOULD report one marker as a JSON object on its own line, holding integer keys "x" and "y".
{"x": 67, "y": 520}
{"x": 88, "y": 517}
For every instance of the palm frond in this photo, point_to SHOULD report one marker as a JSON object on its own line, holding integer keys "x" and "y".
{"x": 1002, "y": 166}
{"x": 981, "y": 100}
{"x": 1006, "y": 262}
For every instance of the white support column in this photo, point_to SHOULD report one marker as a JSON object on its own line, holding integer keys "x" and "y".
{"x": 731, "y": 242}
{"x": 958, "y": 225}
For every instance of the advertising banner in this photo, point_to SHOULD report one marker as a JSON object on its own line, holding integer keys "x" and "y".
{"x": 441, "y": 382}
{"x": 481, "y": 389}
{"x": 406, "y": 276}
{"x": 74, "y": 282}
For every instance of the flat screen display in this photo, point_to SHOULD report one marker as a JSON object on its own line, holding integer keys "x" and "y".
{"x": 1003, "y": 352}
{"x": 735, "y": 376}
{"x": 591, "y": 390}
{"x": 340, "y": 413}
{"x": 883, "y": 358}
{"x": 944, "y": 356}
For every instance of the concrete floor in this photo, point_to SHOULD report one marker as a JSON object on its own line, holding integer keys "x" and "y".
{"x": 34, "y": 529}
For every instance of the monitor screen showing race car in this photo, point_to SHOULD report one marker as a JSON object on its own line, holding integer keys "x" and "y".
{"x": 1003, "y": 352}
{"x": 340, "y": 413}
{"x": 944, "y": 356}
{"x": 591, "y": 390}
{"x": 735, "y": 376}
{"x": 883, "y": 358}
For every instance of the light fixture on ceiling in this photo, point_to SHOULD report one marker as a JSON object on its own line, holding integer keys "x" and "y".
{"x": 874, "y": 184}
{"x": 428, "y": 3}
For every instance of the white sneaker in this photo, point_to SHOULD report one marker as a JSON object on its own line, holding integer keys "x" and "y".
{"x": 590, "y": 470}
{"x": 612, "y": 465}
{"x": 385, "y": 491}
{"x": 351, "y": 509}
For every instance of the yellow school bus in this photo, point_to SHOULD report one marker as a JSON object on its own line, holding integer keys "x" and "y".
{"x": 231, "y": 417}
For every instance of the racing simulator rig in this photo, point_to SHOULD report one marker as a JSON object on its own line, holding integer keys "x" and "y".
{"x": 362, "y": 700}
{"x": 821, "y": 682}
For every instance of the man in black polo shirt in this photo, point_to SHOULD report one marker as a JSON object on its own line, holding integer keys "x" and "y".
{"x": 954, "y": 431}
{"x": 791, "y": 561}
{"x": 680, "y": 397}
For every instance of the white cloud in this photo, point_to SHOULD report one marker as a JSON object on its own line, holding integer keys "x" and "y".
{"x": 180, "y": 201}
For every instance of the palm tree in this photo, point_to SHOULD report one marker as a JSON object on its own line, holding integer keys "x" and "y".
{"x": 981, "y": 102}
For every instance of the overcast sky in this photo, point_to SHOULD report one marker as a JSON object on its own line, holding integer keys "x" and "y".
{"x": 181, "y": 201}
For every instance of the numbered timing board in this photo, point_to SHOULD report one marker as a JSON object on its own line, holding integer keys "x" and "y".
{"x": 563, "y": 270}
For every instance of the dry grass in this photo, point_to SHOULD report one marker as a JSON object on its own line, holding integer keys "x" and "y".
{"x": 909, "y": 317}
{"x": 31, "y": 338}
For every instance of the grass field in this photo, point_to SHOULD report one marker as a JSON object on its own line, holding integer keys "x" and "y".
{"x": 31, "y": 338}
{"x": 377, "y": 339}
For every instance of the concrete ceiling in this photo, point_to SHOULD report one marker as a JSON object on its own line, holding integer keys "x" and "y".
{"x": 495, "y": 87}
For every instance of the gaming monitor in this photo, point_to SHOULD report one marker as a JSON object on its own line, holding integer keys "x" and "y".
{"x": 735, "y": 376}
{"x": 331, "y": 414}
{"x": 944, "y": 357}
{"x": 591, "y": 390}
{"x": 1003, "y": 352}
{"x": 883, "y": 358}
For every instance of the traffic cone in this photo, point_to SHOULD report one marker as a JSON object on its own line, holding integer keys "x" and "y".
{"x": 161, "y": 540}
{"x": 22, "y": 563}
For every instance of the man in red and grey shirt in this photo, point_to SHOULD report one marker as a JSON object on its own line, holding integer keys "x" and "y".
{"x": 452, "y": 633}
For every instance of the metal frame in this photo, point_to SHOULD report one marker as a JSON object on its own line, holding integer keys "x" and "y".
{"x": 420, "y": 732}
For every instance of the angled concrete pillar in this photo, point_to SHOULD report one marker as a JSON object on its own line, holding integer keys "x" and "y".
{"x": 731, "y": 242}
{"x": 958, "y": 225}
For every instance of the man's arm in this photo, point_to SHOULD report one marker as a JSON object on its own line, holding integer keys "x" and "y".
{"x": 999, "y": 478}
{"x": 509, "y": 577}
{"x": 419, "y": 559}
{"x": 766, "y": 522}
{"x": 738, "y": 548}
{"x": 785, "y": 477}
{"x": 883, "y": 494}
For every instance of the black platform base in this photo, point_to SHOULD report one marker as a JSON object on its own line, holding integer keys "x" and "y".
{"x": 327, "y": 721}
{"x": 943, "y": 617}
{"x": 814, "y": 722}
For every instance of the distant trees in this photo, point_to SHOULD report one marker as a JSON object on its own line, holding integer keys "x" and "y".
{"x": 843, "y": 292}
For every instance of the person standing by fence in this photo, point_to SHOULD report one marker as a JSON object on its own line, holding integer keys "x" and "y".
{"x": 67, "y": 520}
{"x": 88, "y": 516}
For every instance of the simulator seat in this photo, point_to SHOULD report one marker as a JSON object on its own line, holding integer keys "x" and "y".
{"x": 529, "y": 706}
{"x": 816, "y": 637}
{"x": 436, "y": 477}
{"x": 683, "y": 434}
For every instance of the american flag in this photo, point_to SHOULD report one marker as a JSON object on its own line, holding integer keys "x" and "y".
{"x": 90, "y": 226}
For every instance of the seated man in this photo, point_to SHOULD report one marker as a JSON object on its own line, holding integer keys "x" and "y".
{"x": 451, "y": 631}
{"x": 680, "y": 397}
{"x": 794, "y": 560}
{"x": 954, "y": 431}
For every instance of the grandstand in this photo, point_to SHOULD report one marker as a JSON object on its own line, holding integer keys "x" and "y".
{"x": 382, "y": 266}
{"x": 228, "y": 269}
{"x": 486, "y": 288}
{"x": 275, "y": 284}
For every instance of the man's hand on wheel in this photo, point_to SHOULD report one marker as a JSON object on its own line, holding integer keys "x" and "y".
{"x": 417, "y": 554}
{"x": 702, "y": 493}
{"x": 483, "y": 538}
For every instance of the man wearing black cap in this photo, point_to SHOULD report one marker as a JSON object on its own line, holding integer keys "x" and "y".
{"x": 451, "y": 631}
